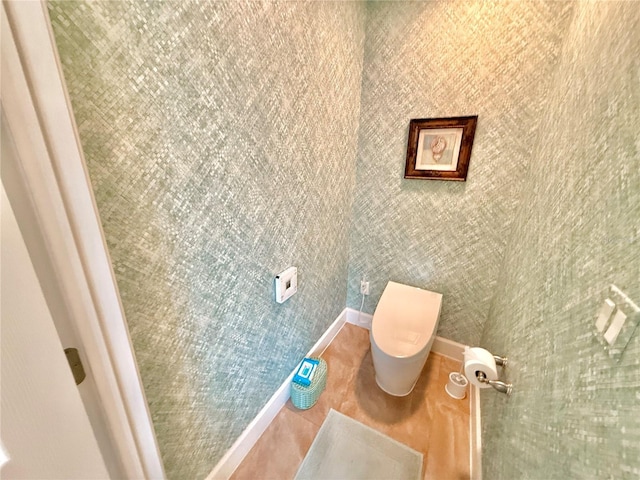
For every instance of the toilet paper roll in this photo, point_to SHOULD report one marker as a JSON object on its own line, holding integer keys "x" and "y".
{"x": 479, "y": 360}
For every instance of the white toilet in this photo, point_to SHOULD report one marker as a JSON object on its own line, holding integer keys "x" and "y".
{"x": 402, "y": 331}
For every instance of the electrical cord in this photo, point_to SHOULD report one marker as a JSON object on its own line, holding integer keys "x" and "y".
{"x": 361, "y": 305}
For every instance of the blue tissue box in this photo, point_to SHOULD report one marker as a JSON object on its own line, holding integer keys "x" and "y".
{"x": 305, "y": 372}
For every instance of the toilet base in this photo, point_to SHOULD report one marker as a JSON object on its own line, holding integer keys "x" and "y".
{"x": 398, "y": 376}
{"x": 395, "y": 394}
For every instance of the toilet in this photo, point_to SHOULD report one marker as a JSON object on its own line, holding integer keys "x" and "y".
{"x": 403, "y": 328}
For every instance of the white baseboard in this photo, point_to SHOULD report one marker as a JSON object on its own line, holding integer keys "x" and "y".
{"x": 475, "y": 434}
{"x": 448, "y": 348}
{"x": 442, "y": 346}
{"x": 360, "y": 319}
{"x": 239, "y": 450}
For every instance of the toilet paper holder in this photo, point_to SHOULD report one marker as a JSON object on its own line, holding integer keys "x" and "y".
{"x": 496, "y": 384}
{"x": 500, "y": 361}
{"x": 501, "y": 387}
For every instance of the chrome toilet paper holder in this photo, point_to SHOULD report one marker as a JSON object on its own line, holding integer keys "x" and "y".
{"x": 501, "y": 387}
{"x": 500, "y": 361}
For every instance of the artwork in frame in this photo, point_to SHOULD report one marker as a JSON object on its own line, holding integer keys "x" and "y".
{"x": 440, "y": 148}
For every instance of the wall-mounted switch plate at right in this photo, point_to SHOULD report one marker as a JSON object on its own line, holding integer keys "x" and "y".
{"x": 605, "y": 314}
{"x": 614, "y": 329}
{"x": 617, "y": 321}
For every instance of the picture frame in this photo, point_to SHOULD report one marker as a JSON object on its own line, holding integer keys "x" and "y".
{"x": 440, "y": 148}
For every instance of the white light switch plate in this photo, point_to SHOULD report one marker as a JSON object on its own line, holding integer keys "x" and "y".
{"x": 615, "y": 333}
{"x": 605, "y": 314}
{"x": 616, "y": 325}
{"x": 286, "y": 284}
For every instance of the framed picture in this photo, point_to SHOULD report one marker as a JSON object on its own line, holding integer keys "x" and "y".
{"x": 440, "y": 148}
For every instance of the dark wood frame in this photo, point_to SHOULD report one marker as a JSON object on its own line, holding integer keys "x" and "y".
{"x": 468, "y": 125}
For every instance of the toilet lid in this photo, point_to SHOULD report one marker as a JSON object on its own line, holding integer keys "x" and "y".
{"x": 405, "y": 319}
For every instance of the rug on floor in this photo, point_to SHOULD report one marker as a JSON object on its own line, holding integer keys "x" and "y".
{"x": 348, "y": 450}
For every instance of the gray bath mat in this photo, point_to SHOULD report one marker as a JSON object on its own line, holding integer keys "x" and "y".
{"x": 348, "y": 450}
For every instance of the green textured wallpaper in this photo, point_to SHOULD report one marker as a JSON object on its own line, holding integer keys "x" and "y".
{"x": 575, "y": 412}
{"x": 228, "y": 140}
{"x": 443, "y": 59}
{"x": 220, "y": 139}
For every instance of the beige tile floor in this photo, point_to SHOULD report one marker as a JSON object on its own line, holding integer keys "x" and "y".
{"x": 427, "y": 420}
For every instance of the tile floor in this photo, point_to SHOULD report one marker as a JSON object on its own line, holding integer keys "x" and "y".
{"x": 427, "y": 420}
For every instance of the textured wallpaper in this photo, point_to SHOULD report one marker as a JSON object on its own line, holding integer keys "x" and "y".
{"x": 220, "y": 139}
{"x": 224, "y": 140}
{"x": 575, "y": 412}
{"x": 442, "y": 59}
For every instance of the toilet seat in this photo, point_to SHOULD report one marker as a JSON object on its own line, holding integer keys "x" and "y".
{"x": 405, "y": 320}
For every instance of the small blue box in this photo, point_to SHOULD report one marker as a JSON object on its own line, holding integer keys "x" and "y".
{"x": 305, "y": 372}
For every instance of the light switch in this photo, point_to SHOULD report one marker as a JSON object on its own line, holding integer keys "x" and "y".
{"x": 617, "y": 322}
{"x": 286, "y": 284}
{"x": 616, "y": 325}
{"x": 605, "y": 314}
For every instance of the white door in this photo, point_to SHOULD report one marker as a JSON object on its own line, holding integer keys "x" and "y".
{"x": 48, "y": 182}
{"x": 44, "y": 428}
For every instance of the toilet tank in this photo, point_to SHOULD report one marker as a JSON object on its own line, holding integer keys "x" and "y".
{"x": 405, "y": 319}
